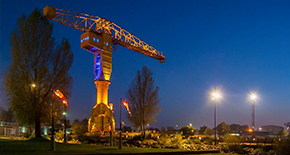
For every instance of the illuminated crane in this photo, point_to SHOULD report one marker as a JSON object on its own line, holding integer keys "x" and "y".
{"x": 98, "y": 38}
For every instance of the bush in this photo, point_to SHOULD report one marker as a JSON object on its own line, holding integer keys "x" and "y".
{"x": 258, "y": 151}
{"x": 164, "y": 141}
{"x": 224, "y": 148}
{"x": 208, "y": 141}
{"x": 271, "y": 152}
{"x": 229, "y": 139}
{"x": 283, "y": 146}
{"x": 188, "y": 141}
{"x": 236, "y": 149}
{"x": 59, "y": 135}
{"x": 197, "y": 141}
{"x": 177, "y": 141}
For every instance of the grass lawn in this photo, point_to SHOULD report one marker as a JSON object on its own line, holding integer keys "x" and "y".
{"x": 43, "y": 146}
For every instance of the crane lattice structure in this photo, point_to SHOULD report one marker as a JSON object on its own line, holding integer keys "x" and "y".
{"x": 98, "y": 38}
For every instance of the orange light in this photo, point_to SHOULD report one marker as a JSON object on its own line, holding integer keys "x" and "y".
{"x": 127, "y": 107}
{"x": 250, "y": 130}
{"x": 111, "y": 106}
{"x": 60, "y": 95}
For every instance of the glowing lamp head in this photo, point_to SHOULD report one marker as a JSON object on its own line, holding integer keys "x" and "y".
{"x": 250, "y": 130}
{"x": 253, "y": 96}
{"x": 33, "y": 85}
{"x": 215, "y": 96}
{"x": 64, "y": 113}
{"x": 111, "y": 106}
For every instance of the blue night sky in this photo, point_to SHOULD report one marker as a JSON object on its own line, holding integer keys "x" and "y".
{"x": 239, "y": 46}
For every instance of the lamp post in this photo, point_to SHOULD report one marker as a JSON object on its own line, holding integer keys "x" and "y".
{"x": 253, "y": 97}
{"x": 52, "y": 124}
{"x": 111, "y": 124}
{"x": 215, "y": 96}
{"x": 120, "y": 139}
{"x": 64, "y": 114}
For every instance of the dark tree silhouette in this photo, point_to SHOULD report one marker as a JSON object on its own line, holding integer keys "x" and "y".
{"x": 143, "y": 99}
{"x": 38, "y": 67}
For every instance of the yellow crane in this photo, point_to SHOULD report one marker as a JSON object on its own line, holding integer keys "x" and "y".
{"x": 98, "y": 38}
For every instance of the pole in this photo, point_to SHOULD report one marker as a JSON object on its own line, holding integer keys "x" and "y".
{"x": 253, "y": 114}
{"x": 52, "y": 124}
{"x": 120, "y": 140}
{"x": 111, "y": 124}
{"x": 215, "y": 141}
{"x": 65, "y": 141}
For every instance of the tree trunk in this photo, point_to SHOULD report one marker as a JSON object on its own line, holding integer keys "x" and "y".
{"x": 143, "y": 130}
{"x": 37, "y": 128}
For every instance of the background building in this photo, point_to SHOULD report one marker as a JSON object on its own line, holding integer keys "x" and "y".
{"x": 271, "y": 129}
{"x": 287, "y": 127}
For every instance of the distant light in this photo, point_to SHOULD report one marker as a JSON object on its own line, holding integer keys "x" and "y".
{"x": 107, "y": 43}
{"x": 33, "y": 85}
{"x": 94, "y": 39}
{"x": 111, "y": 106}
{"x": 199, "y": 138}
{"x": 253, "y": 96}
{"x": 190, "y": 124}
{"x": 23, "y": 130}
{"x": 45, "y": 130}
{"x": 97, "y": 40}
{"x": 216, "y": 95}
{"x": 260, "y": 128}
{"x": 64, "y": 113}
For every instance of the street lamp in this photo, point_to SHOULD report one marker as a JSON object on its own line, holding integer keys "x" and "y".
{"x": 120, "y": 140}
{"x": 64, "y": 114}
{"x": 253, "y": 98}
{"x": 215, "y": 96}
{"x": 33, "y": 85}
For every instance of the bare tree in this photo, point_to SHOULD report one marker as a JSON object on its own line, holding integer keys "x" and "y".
{"x": 143, "y": 99}
{"x": 38, "y": 67}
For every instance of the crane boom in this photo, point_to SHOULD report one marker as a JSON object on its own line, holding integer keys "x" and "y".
{"x": 85, "y": 22}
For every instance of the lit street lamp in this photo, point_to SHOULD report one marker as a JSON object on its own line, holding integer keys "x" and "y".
{"x": 215, "y": 96}
{"x": 64, "y": 114}
{"x": 253, "y": 98}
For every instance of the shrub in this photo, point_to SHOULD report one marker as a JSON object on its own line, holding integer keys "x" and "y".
{"x": 208, "y": 141}
{"x": 258, "y": 151}
{"x": 59, "y": 135}
{"x": 197, "y": 141}
{"x": 283, "y": 146}
{"x": 224, "y": 148}
{"x": 177, "y": 141}
{"x": 164, "y": 141}
{"x": 271, "y": 152}
{"x": 188, "y": 141}
{"x": 229, "y": 139}
{"x": 236, "y": 149}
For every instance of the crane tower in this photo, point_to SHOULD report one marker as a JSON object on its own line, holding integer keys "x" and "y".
{"x": 98, "y": 38}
